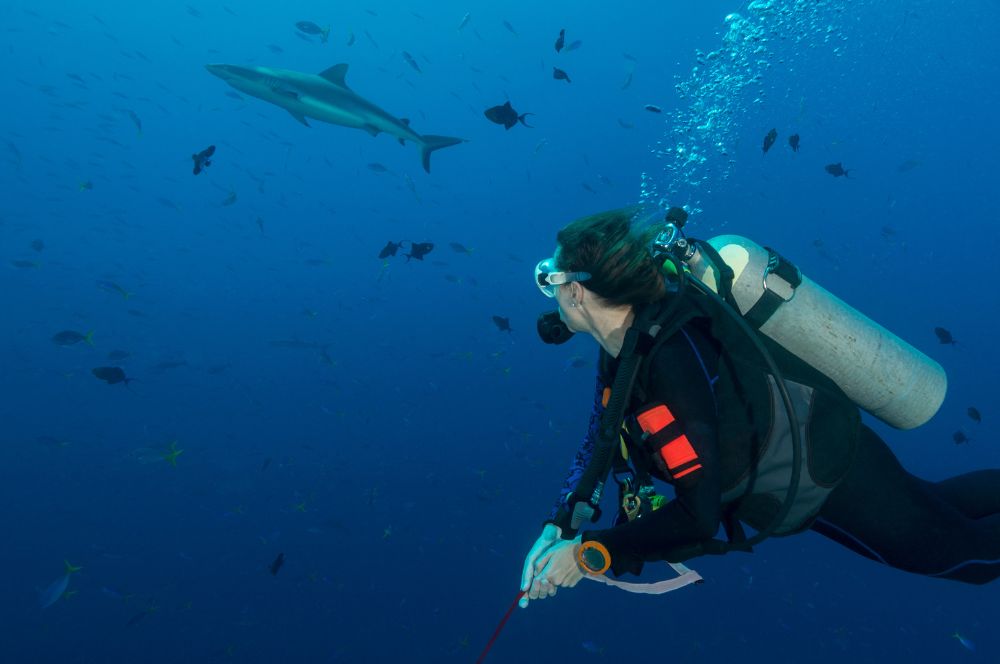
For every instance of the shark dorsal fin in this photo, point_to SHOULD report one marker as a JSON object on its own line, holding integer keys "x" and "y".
{"x": 336, "y": 74}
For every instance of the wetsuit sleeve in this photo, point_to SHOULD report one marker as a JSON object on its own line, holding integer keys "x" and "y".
{"x": 584, "y": 453}
{"x": 679, "y": 380}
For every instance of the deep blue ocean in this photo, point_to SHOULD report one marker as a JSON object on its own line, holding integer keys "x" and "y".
{"x": 289, "y": 392}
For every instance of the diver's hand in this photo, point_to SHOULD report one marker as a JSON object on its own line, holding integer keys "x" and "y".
{"x": 551, "y": 534}
{"x": 558, "y": 566}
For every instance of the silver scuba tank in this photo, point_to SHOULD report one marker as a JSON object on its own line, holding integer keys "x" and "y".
{"x": 877, "y": 370}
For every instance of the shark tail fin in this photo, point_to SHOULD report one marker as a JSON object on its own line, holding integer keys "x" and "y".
{"x": 430, "y": 143}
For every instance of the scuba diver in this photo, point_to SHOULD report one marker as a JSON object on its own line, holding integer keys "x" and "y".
{"x": 729, "y": 375}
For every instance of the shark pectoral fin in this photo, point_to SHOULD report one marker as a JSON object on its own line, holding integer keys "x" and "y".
{"x": 298, "y": 116}
{"x": 371, "y": 129}
{"x": 336, "y": 74}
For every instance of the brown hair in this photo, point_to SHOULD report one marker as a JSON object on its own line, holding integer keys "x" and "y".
{"x": 615, "y": 254}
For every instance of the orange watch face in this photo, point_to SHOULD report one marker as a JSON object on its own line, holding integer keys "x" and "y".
{"x": 594, "y": 557}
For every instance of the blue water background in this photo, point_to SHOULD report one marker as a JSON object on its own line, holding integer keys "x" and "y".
{"x": 405, "y": 473}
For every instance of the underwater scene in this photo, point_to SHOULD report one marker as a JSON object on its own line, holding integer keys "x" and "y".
{"x": 279, "y": 384}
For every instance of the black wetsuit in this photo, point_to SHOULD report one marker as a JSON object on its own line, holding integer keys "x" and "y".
{"x": 949, "y": 529}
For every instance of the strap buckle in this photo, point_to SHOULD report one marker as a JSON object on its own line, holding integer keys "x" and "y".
{"x": 789, "y": 274}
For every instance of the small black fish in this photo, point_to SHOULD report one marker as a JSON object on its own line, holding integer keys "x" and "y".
{"x": 677, "y": 215}
{"x": 560, "y": 40}
{"x": 959, "y": 437}
{"x": 944, "y": 336}
{"x": 560, "y": 75}
{"x": 418, "y": 250}
{"x": 267, "y": 463}
{"x": 276, "y": 565}
{"x": 111, "y": 375}
{"x": 460, "y": 248}
{"x": 793, "y": 142}
{"x": 390, "y": 249}
{"x": 836, "y": 170}
{"x": 769, "y": 139}
{"x": 412, "y": 62}
{"x": 203, "y": 159}
{"x": 652, "y": 108}
{"x": 37, "y": 245}
{"x": 72, "y": 337}
{"x": 310, "y": 28}
{"x": 575, "y": 45}
{"x": 974, "y": 415}
{"x": 506, "y": 115}
{"x": 503, "y": 324}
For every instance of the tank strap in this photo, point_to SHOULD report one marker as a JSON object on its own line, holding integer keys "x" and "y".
{"x": 775, "y": 294}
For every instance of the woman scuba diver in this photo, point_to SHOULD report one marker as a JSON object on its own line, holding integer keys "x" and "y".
{"x": 747, "y": 403}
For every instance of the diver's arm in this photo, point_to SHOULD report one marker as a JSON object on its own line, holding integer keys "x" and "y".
{"x": 691, "y": 518}
{"x": 583, "y": 454}
{"x": 680, "y": 379}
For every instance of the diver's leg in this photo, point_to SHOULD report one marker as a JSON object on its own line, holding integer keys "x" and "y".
{"x": 888, "y": 515}
{"x": 976, "y": 494}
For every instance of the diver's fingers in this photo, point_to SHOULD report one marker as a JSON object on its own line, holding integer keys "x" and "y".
{"x": 543, "y": 561}
{"x": 527, "y": 573}
{"x": 531, "y": 562}
{"x": 541, "y": 588}
{"x": 559, "y": 578}
{"x": 571, "y": 581}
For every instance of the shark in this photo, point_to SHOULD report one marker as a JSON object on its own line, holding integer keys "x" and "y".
{"x": 327, "y": 98}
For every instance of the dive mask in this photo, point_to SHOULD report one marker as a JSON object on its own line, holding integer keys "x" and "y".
{"x": 547, "y": 277}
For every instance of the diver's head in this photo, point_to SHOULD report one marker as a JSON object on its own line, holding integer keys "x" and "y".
{"x": 601, "y": 269}
{"x": 615, "y": 252}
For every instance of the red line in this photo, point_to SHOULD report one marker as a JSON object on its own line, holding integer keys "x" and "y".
{"x": 503, "y": 622}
